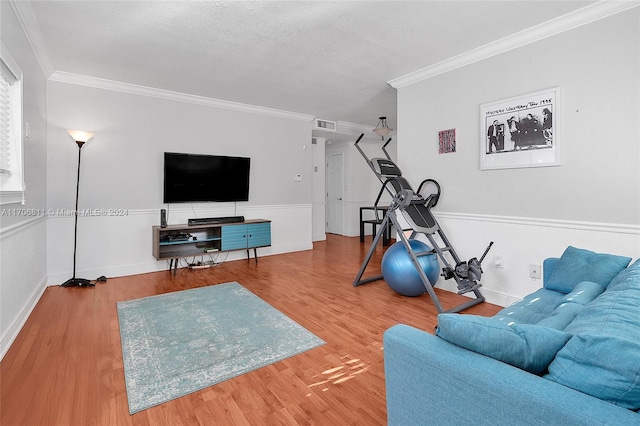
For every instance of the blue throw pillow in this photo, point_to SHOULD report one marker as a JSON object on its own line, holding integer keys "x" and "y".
{"x": 576, "y": 265}
{"x": 600, "y": 365}
{"x": 528, "y": 347}
{"x": 603, "y": 356}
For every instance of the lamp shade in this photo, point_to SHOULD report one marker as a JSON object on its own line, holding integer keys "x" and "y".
{"x": 382, "y": 129}
{"x": 80, "y": 135}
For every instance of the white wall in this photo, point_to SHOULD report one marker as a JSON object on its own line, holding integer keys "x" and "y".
{"x": 23, "y": 227}
{"x": 591, "y": 201}
{"x": 318, "y": 182}
{"x": 122, "y": 170}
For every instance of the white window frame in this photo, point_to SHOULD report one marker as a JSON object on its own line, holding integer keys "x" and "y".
{"x": 12, "y": 187}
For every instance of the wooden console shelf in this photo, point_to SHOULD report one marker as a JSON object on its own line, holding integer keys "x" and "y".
{"x": 169, "y": 243}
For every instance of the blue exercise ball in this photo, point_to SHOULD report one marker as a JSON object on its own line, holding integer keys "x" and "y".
{"x": 400, "y": 273}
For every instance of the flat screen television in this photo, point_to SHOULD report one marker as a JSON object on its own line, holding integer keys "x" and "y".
{"x": 197, "y": 178}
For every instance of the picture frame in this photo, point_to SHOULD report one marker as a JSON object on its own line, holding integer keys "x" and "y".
{"x": 446, "y": 141}
{"x": 522, "y": 131}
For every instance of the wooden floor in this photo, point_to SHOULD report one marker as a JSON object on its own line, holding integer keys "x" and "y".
{"x": 65, "y": 367}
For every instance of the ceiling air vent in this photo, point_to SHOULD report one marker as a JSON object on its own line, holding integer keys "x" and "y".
{"x": 325, "y": 125}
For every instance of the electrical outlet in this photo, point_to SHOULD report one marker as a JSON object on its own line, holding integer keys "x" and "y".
{"x": 498, "y": 262}
{"x": 534, "y": 271}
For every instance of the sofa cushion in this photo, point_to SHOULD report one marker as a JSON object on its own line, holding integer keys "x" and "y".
{"x": 627, "y": 279}
{"x": 571, "y": 305}
{"x": 602, "y": 358}
{"x": 602, "y": 366}
{"x": 532, "y": 308}
{"x": 525, "y": 346}
{"x": 550, "y": 308}
{"x": 576, "y": 265}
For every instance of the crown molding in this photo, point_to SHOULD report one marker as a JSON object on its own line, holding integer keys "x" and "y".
{"x": 117, "y": 86}
{"x": 353, "y": 127}
{"x": 29, "y": 24}
{"x": 27, "y": 20}
{"x": 586, "y": 15}
{"x": 369, "y": 135}
{"x": 358, "y": 129}
{"x": 347, "y": 132}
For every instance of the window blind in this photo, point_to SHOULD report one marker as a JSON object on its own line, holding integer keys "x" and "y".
{"x": 12, "y": 185}
{"x": 7, "y": 132}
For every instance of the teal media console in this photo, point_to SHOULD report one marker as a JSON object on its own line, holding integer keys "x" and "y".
{"x": 176, "y": 241}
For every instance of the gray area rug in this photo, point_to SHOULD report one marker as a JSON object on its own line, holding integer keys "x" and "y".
{"x": 177, "y": 343}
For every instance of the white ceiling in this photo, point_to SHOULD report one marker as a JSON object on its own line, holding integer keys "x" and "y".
{"x": 330, "y": 59}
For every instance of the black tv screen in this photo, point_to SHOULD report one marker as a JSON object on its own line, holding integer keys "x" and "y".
{"x": 194, "y": 178}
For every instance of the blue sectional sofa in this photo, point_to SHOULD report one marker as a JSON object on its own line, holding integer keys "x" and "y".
{"x": 566, "y": 354}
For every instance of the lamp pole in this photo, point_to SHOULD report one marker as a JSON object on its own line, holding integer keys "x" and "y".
{"x": 73, "y": 281}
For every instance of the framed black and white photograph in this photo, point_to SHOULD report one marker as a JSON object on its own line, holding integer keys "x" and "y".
{"x": 521, "y": 131}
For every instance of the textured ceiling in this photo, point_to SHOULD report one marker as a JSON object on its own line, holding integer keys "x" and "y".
{"x": 330, "y": 59}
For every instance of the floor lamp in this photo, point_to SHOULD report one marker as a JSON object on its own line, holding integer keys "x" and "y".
{"x": 81, "y": 138}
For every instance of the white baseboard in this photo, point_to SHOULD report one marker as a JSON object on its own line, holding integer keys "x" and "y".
{"x": 491, "y": 296}
{"x": 18, "y": 323}
{"x": 155, "y": 266}
{"x": 319, "y": 237}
